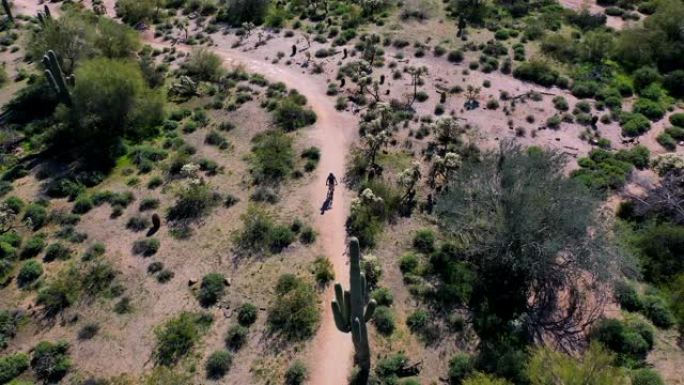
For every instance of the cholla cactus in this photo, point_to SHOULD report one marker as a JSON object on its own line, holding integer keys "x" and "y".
{"x": 662, "y": 164}
{"x": 374, "y": 143}
{"x": 190, "y": 170}
{"x": 7, "y": 217}
{"x": 447, "y": 131}
{"x": 443, "y": 167}
{"x": 408, "y": 179}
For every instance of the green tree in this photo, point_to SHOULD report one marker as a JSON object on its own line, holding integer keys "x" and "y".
{"x": 527, "y": 225}
{"x": 595, "y": 367}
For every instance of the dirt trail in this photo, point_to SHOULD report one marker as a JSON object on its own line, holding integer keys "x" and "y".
{"x": 331, "y": 351}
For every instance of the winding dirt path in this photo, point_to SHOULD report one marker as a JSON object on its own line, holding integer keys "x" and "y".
{"x": 330, "y": 353}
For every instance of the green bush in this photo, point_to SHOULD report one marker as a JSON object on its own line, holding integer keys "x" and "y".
{"x": 649, "y": 108}
{"x": 14, "y": 204}
{"x": 646, "y": 377}
{"x": 50, "y": 361}
{"x": 218, "y": 364}
{"x": 137, "y": 223}
{"x": 146, "y": 246}
{"x": 236, "y": 337}
{"x": 631, "y": 340}
{"x": 424, "y": 241}
{"x": 60, "y": 292}
{"x": 202, "y": 64}
{"x": 383, "y": 296}
{"x": 12, "y": 365}
{"x": 211, "y": 289}
{"x": 295, "y": 313}
{"x": 537, "y": 72}
{"x": 57, "y": 251}
{"x": 634, "y": 124}
{"x": 29, "y": 272}
{"x": 676, "y": 132}
{"x": 418, "y": 320}
{"x": 33, "y": 246}
{"x": 644, "y": 77}
{"x": 148, "y": 204}
{"x": 192, "y": 203}
{"x": 308, "y": 235}
{"x": 296, "y": 374}
{"x": 8, "y": 326}
{"x": 383, "y": 319}
{"x": 178, "y": 336}
{"x": 455, "y": 56}
{"x": 237, "y": 12}
{"x": 665, "y": 140}
{"x": 677, "y": 119}
{"x": 655, "y": 309}
{"x": 290, "y": 116}
{"x": 408, "y": 264}
{"x": 272, "y": 158}
{"x": 323, "y": 270}
{"x": 247, "y": 314}
{"x": 460, "y": 367}
{"x": 37, "y": 215}
{"x": 82, "y": 205}
{"x": 133, "y": 12}
{"x": 389, "y": 368}
{"x": 627, "y": 296}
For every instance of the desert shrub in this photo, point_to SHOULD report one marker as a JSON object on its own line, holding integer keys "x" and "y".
{"x": 417, "y": 320}
{"x": 165, "y": 276}
{"x": 537, "y": 72}
{"x": 655, "y": 309}
{"x": 247, "y": 314}
{"x": 290, "y": 116}
{"x": 218, "y": 364}
{"x": 460, "y": 367}
{"x": 665, "y": 140}
{"x": 57, "y": 251}
{"x": 389, "y": 367}
{"x": 323, "y": 270}
{"x": 595, "y": 366}
{"x": 93, "y": 251}
{"x": 133, "y": 12}
{"x": 634, "y": 124}
{"x": 50, "y": 361}
{"x": 649, "y": 108}
{"x": 677, "y": 119}
{"x": 29, "y": 272}
{"x": 644, "y": 77}
{"x": 148, "y": 204}
{"x": 237, "y": 12}
{"x": 88, "y": 331}
{"x": 631, "y": 340}
{"x": 193, "y": 202}
{"x": 202, "y": 64}
{"x": 384, "y": 321}
{"x": 295, "y": 313}
{"x": 178, "y": 336}
{"x": 560, "y": 103}
{"x": 137, "y": 223}
{"x": 211, "y": 289}
{"x": 82, "y": 205}
{"x": 676, "y": 133}
{"x": 646, "y": 377}
{"x": 308, "y": 235}
{"x": 123, "y": 306}
{"x": 272, "y": 157}
{"x": 279, "y": 238}
{"x": 424, "y": 241}
{"x": 155, "y": 267}
{"x": 14, "y": 204}
{"x": 408, "y": 264}
{"x": 236, "y": 337}
{"x": 97, "y": 277}
{"x": 296, "y": 374}
{"x": 60, "y": 292}
{"x": 627, "y": 296}
{"x": 455, "y": 56}
{"x": 383, "y": 296}
{"x": 12, "y": 365}
{"x": 146, "y": 246}
{"x": 37, "y": 214}
{"x": 33, "y": 246}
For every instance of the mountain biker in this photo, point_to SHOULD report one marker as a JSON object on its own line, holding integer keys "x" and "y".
{"x": 331, "y": 182}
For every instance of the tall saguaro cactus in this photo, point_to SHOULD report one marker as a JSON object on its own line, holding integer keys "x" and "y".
{"x": 8, "y": 10}
{"x": 56, "y": 78}
{"x": 352, "y": 310}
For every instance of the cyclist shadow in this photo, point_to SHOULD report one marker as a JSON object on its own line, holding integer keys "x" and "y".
{"x": 327, "y": 204}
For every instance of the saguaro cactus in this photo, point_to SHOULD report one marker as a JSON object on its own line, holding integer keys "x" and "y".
{"x": 56, "y": 78}
{"x": 8, "y": 10}
{"x": 45, "y": 16}
{"x": 352, "y": 310}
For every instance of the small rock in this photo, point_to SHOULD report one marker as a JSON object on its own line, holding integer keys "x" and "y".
{"x": 192, "y": 281}
{"x": 227, "y": 281}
